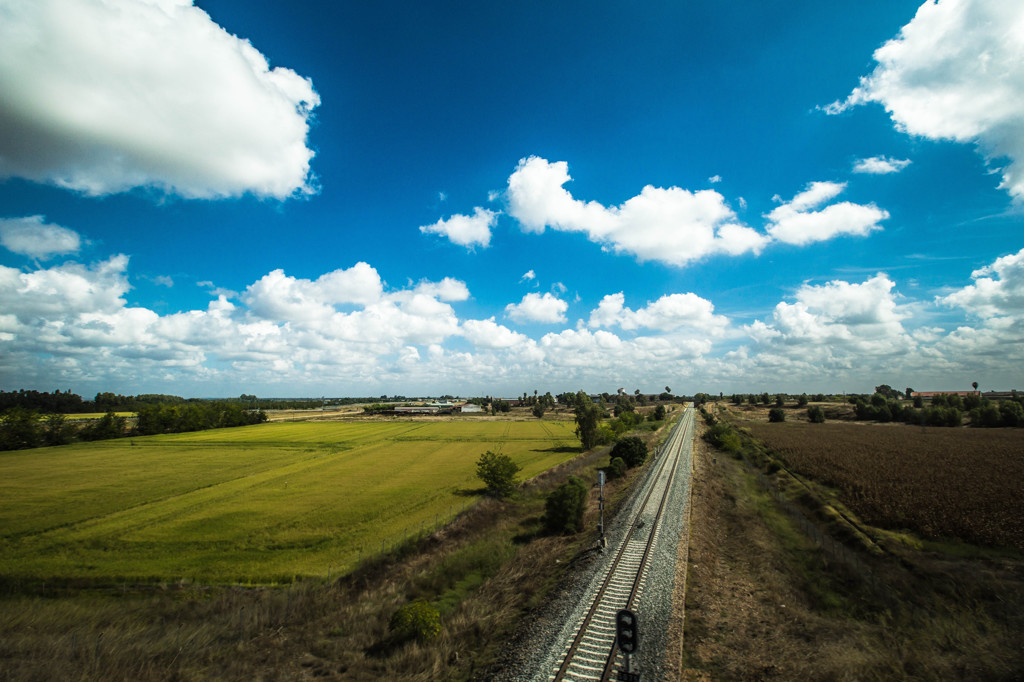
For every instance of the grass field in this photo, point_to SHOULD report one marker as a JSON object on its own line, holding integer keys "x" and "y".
{"x": 264, "y": 503}
{"x": 96, "y": 415}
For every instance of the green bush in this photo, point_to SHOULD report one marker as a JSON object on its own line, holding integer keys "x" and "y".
{"x": 723, "y": 437}
{"x": 815, "y": 414}
{"x": 418, "y": 620}
{"x": 776, "y": 414}
{"x": 564, "y": 507}
{"x": 632, "y": 450}
{"x": 616, "y": 468}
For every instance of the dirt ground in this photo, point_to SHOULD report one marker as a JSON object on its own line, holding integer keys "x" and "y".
{"x": 747, "y": 616}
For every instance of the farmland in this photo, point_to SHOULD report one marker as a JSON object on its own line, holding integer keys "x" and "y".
{"x": 940, "y": 483}
{"x": 264, "y": 503}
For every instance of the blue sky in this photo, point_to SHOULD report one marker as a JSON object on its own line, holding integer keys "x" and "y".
{"x": 311, "y": 199}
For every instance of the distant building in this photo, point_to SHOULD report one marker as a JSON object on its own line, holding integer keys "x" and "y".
{"x": 468, "y": 408}
{"x": 418, "y": 409}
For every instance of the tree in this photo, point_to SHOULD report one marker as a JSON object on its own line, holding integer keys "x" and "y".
{"x": 888, "y": 391}
{"x": 659, "y": 413}
{"x": 110, "y": 425}
{"x": 616, "y": 468}
{"x": 815, "y": 414}
{"x": 498, "y": 472}
{"x": 623, "y": 405}
{"x": 668, "y": 390}
{"x": 56, "y": 430}
{"x": 588, "y": 416}
{"x": 564, "y": 507}
{"x": 20, "y": 429}
{"x": 1011, "y": 413}
{"x": 801, "y": 400}
{"x": 631, "y": 449}
{"x": 538, "y": 410}
{"x": 780, "y": 400}
{"x": 776, "y": 414}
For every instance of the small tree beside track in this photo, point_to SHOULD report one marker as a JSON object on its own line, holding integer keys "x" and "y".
{"x": 498, "y": 472}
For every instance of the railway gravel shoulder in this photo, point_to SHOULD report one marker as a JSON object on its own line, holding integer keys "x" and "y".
{"x": 537, "y": 649}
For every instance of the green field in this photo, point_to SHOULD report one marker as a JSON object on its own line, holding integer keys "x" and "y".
{"x": 264, "y": 503}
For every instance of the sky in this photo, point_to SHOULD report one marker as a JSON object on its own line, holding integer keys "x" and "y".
{"x": 298, "y": 199}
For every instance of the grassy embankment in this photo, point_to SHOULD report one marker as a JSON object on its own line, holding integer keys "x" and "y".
{"x": 899, "y": 597}
{"x": 481, "y": 572}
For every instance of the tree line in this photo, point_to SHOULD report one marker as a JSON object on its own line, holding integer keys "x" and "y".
{"x": 66, "y": 402}
{"x": 22, "y": 428}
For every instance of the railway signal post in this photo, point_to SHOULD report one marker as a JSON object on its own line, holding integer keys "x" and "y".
{"x": 627, "y": 636}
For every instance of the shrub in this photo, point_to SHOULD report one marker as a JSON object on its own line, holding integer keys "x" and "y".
{"x": 723, "y": 437}
{"x": 616, "y": 468}
{"x": 498, "y": 472}
{"x": 418, "y": 620}
{"x": 815, "y": 414}
{"x": 632, "y": 450}
{"x": 776, "y": 414}
{"x": 564, "y": 507}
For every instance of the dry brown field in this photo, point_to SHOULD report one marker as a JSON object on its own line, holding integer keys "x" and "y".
{"x": 941, "y": 483}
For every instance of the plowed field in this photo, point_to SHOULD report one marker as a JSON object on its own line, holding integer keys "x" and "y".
{"x": 939, "y": 482}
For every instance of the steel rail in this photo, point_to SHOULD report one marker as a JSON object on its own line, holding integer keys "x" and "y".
{"x": 617, "y": 574}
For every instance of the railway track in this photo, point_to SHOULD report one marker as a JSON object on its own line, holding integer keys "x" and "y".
{"x": 593, "y": 653}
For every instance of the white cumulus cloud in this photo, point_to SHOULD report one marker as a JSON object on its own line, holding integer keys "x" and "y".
{"x": 32, "y": 237}
{"x": 669, "y": 312}
{"x": 489, "y": 334}
{"x": 102, "y": 96}
{"x": 538, "y": 308}
{"x": 880, "y": 165}
{"x": 468, "y": 231}
{"x": 956, "y": 72}
{"x": 998, "y": 289}
{"x": 795, "y": 222}
{"x": 837, "y": 319}
{"x": 673, "y": 226}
